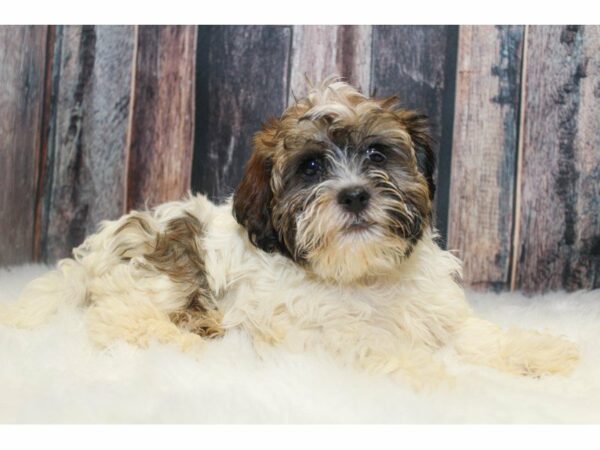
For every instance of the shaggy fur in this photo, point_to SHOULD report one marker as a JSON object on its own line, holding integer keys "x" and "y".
{"x": 296, "y": 262}
{"x": 53, "y": 374}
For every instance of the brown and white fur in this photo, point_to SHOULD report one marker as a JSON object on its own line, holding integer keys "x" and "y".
{"x": 327, "y": 243}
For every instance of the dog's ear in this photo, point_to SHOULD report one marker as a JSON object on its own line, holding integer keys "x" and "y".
{"x": 418, "y": 127}
{"x": 253, "y": 196}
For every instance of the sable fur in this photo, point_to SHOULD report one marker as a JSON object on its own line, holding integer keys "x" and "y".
{"x": 285, "y": 261}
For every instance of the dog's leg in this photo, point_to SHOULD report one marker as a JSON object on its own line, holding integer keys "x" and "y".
{"x": 516, "y": 351}
{"x": 413, "y": 365}
{"x": 386, "y": 354}
{"x": 136, "y": 321}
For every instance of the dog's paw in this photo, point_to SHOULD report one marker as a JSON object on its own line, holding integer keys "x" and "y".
{"x": 189, "y": 342}
{"x": 532, "y": 353}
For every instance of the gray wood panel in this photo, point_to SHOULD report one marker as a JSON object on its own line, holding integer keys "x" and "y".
{"x": 484, "y": 152}
{"x": 558, "y": 237}
{"x": 419, "y": 64}
{"x": 242, "y": 75}
{"x": 86, "y": 157}
{"x": 22, "y": 63}
{"x": 411, "y": 61}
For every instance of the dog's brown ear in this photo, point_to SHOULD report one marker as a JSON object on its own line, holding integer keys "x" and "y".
{"x": 253, "y": 196}
{"x": 419, "y": 129}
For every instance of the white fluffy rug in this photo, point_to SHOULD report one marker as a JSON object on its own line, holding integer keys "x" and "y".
{"x": 53, "y": 374}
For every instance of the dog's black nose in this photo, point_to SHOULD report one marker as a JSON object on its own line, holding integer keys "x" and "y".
{"x": 354, "y": 199}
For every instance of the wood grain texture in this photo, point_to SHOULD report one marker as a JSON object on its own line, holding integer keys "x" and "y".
{"x": 484, "y": 152}
{"x": 418, "y": 63}
{"x": 319, "y": 51}
{"x": 162, "y": 125}
{"x": 242, "y": 81}
{"x": 558, "y": 239}
{"x": 43, "y": 180}
{"x": 410, "y": 61}
{"x": 22, "y": 62}
{"x": 86, "y": 155}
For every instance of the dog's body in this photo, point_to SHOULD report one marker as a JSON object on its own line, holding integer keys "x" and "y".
{"x": 326, "y": 243}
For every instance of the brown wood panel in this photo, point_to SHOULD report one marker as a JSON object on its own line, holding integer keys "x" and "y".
{"x": 418, "y": 63}
{"x": 558, "y": 238}
{"x": 241, "y": 81}
{"x": 319, "y": 51}
{"x": 86, "y": 154}
{"x": 22, "y": 63}
{"x": 484, "y": 152}
{"x": 162, "y": 124}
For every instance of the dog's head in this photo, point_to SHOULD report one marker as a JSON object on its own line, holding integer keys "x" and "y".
{"x": 341, "y": 183}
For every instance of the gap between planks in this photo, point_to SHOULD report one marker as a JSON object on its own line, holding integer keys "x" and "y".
{"x": 128, "y": 138}
{"x": 516, "y": 229}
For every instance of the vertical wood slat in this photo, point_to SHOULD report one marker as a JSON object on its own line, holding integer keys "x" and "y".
{"x": 418, "y": 64}
{"x": 410, "y": 61}
{"x": 22, "y": 62}
{"x": 319, "y": 51}
{"x": 558, "y": 236}
{"x": 43, "y": 180}
{"x": 162, "y": 124}
{"x": 484, "y": 152}
{"x": 85, "y": 165}
{"x": 241, "y": 80}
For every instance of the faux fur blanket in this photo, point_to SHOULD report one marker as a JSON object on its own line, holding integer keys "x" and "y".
{"x": 53, "y": 374}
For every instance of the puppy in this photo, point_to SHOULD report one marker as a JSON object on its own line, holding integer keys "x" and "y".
{"x": 326, "y": 243}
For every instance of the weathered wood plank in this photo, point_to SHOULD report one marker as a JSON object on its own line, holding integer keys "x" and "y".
{"x": 484, "y": 152}
{"x": 86, "y": 157}
{"x": 43, "y": 180}
{"x": 241, "y": 80}
{"x": 558, "y": 238}
{"x": 410, "y": 61}
{"x": 419, "y": 64}
{"x": 22, "y": 62}
{"x": 319, "y": 51}
{"x": 162, "y": 126}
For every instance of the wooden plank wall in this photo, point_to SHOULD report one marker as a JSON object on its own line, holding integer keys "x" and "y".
{"x": 86, "y": 152}
{"x": 557, "y": 243}
{"x": 418, "y": 64}
{"x": 88, "y": 110}
{"x": 97, "y": 120}
{"x": 242, "y": 80}
{"x": 22, "y": 63}
{"x": 162, "y": 121}
{"x": 320, "y": 51}
{"x": 484, "y": 152}
{"x": 232, "y": 62}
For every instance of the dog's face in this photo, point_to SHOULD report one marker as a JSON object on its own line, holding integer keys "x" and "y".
{"x": 342, "y": 184}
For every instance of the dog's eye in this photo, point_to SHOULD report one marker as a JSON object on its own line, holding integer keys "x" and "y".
{"x": 375, "y": 155}
{"x": 311, "y": 167}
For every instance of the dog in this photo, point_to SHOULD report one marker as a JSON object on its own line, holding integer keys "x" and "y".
{"x": 327, "y": 243}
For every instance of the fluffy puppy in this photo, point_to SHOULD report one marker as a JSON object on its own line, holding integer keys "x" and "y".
{"x": 327, "y": 242}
